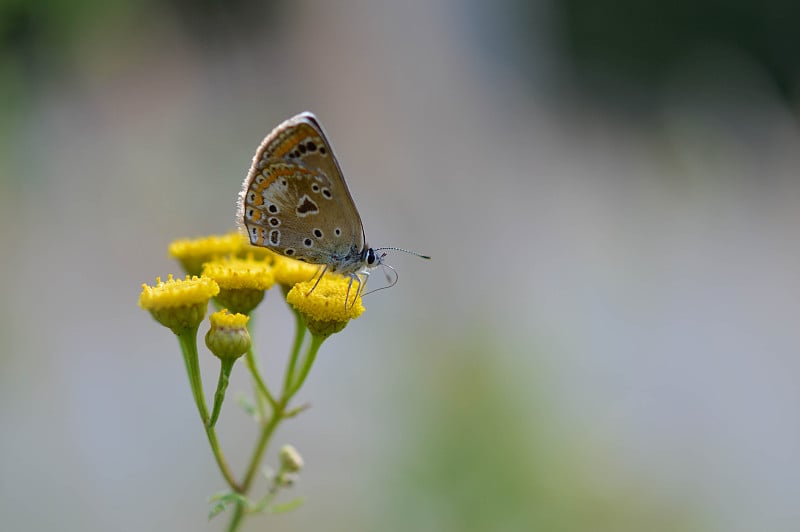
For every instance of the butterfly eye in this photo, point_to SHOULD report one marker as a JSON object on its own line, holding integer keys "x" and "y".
{"x": 371, "y": 258}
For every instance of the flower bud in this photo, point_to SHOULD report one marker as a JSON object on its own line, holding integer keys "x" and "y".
{"x": 291, "y": 461}
{"x": 228, "y": 337}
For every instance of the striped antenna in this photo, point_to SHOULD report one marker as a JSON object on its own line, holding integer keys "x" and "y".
{"x": 420, "y": 255}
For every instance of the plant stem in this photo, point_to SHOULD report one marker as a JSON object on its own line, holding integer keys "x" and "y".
{"x": 299, "y": 336}
{"x": 261, "y": 446}
{"x": 291, "y": 386}
{"x": 308, "y": 361}
{"x": 238, "y": 513}
{"x": 188, "y": 341}
{"x": 260, "y": 385}
{"x": 225, "y": 368}
{"x": 252, "y": 365}
{"x": 221, "y": 462}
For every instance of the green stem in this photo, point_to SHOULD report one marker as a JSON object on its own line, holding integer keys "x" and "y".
{"x": 225, "y": 368}
{"x": 308, "y": 361}
{"x": 263, "y": 440}
{"x": 236, "y": 520}
{"x": 291, "y": 386}
{"x": 188, "y": 341}
{"x": 279, "y": 412}
{"x": 221, "y": 462}
{"x": 299, "y": 337}
{"x": 255, "y": 369}
{"x": 252, "y": 365}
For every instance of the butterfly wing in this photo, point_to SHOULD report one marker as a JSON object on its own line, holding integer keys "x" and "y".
{"x": 295, "y": 200}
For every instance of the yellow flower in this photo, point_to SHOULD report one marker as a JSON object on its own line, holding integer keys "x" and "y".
{"x": 256, "y": 252}
{"x": 193, "y": 253}
{"x": 178, "y": 304}
{"x": 289, "y": 272}
{"x": 327, "y": 308}
{"x": 242, "y": 282}
{"x": 228, "y": 337}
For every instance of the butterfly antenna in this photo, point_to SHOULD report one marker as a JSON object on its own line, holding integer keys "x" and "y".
{"x": 420, "y": 255}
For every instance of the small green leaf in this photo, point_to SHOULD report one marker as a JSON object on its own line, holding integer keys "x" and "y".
{"x": 298, "y": 410}
{"x": 263, "y": 505}
{"x": 215, "y": 510}
{"x": 219, "y": 496}
{"x": 224, "y": 499}
{"x": 287, "y": 506}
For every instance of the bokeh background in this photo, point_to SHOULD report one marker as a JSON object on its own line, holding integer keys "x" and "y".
{"x": 605, "y": 340}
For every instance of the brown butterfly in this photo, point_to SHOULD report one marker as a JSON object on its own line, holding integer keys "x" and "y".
{"x": 295, "y": 202}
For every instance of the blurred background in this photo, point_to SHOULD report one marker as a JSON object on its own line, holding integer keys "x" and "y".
{"x": 605, "y": 339}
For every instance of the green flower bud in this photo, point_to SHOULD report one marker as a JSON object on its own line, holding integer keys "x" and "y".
{"x": 228, "y": 338}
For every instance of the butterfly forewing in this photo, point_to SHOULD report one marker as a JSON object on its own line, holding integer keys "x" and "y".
{"x": 295, "y": 200}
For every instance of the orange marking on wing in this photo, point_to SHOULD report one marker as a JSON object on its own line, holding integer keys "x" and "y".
{"x": 265, "y": 184}
{"x": 291, "y": 171}
{"x": 255, "y": 194}
{"x": 289, "y": 142}
{"x": 254, "y": 197}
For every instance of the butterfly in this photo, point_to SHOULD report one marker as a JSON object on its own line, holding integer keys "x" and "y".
{"x": 295, "y": 202}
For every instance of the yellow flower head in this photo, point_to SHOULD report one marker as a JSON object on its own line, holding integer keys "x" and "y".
{"x": 234, "y": 273}
{"x": 327, "y": 308}
{"x": 289, "y": 272}
{"x": 228, "y": 337}
{"x": 242, "y": 282}
{"x": 256, "y": 252}
{"x": 179, "y": 304}
{"x": 193, "y": 253}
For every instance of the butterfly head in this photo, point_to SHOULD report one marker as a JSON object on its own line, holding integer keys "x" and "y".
{"x": 372, "y": 259}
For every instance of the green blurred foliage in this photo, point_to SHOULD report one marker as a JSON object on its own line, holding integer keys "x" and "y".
{"x": 38, "y": 39}
{"x": 487, "y": 457}
{"x": 46, "y": 42}
{"x": 642, "y": 40}
{"x": 619, "y": 53}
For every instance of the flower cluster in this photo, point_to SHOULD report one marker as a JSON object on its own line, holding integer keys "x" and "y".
{"x": 241, "y": 274}
{"x": 235, "y": 277}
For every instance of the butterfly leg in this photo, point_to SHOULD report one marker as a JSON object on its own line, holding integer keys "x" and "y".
{"x": 352, "y": 277}
{"x": 361, "y": 283}
{"x": 322, "y": 272}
